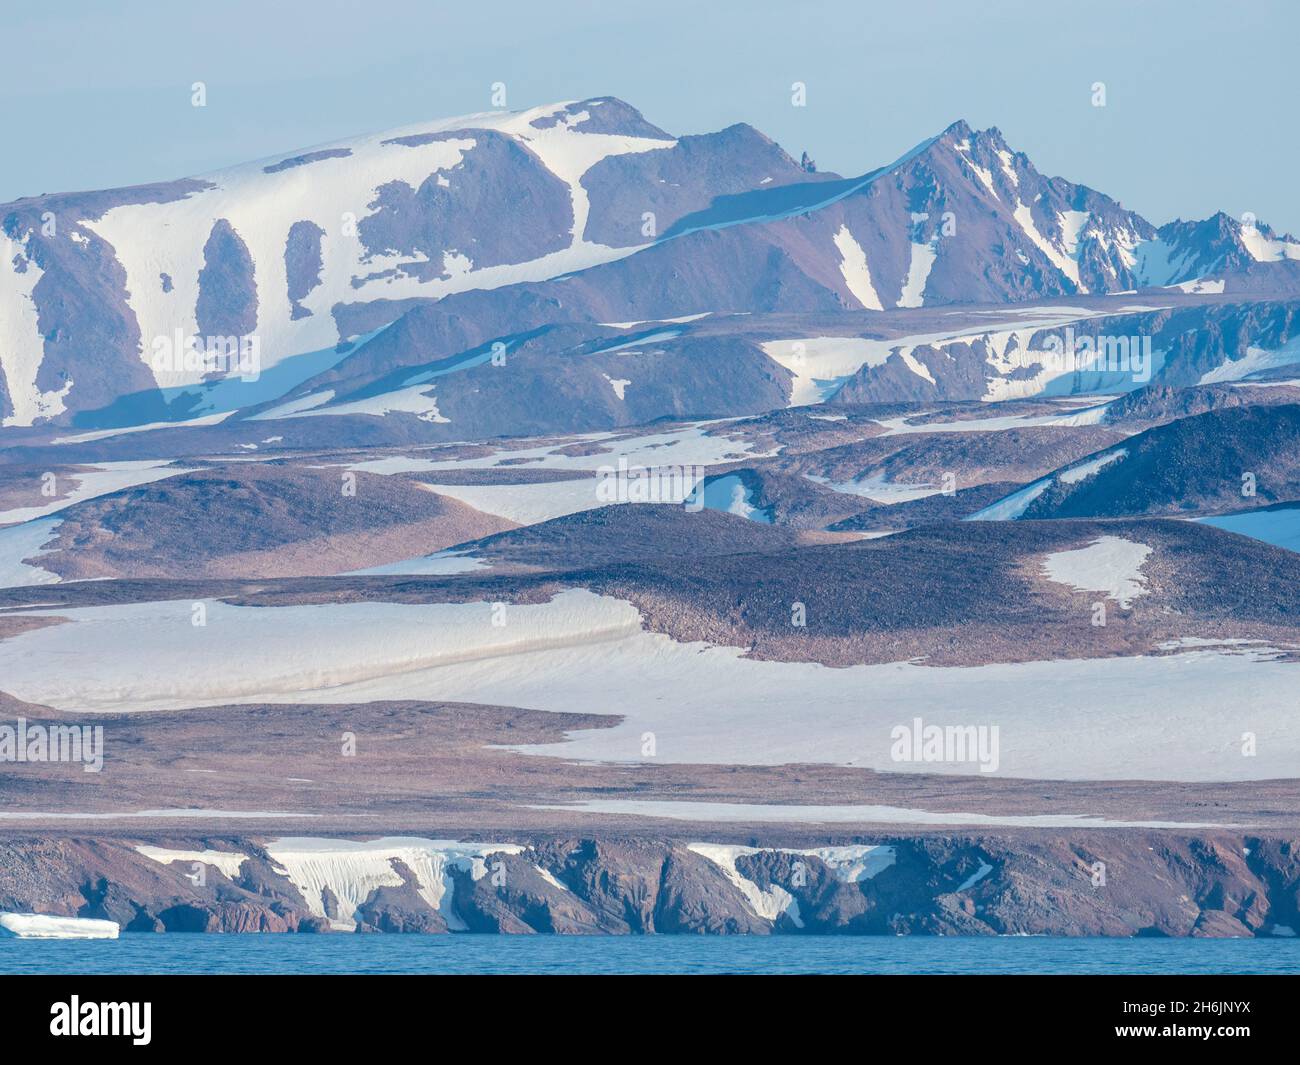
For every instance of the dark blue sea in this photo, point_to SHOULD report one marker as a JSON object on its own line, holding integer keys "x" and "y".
{"x": 464, "y": 954}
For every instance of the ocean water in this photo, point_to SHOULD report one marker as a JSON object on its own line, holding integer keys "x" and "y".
{"x": 465, "y": 954}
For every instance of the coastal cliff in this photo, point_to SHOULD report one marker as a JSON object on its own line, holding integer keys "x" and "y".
{"x": 1111, "y": 883}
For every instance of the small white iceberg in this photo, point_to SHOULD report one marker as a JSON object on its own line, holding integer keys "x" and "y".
{"x": 44, "y": 926}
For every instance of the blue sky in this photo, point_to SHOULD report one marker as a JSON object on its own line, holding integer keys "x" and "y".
{"x": 1198, "y": 92}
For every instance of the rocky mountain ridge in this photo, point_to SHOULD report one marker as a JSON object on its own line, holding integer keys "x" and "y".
{"x": 389, "y": 261}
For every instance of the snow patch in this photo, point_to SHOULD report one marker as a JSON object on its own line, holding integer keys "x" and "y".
{"x": 105, "y": 434}
{"x": 1256, "y": 360}
{"x": 351, "y": 871}
{"x": 820, "y": 365}
{"x": 902, "y": 424}
{"x": 655, "y": 321}
{"x": 1110, "y": 564}
{"x": 1008, "y": 167}
{"x": 23, "y": 346}
{"x": 1084, "y": 470}
{"x": 1267, "y": 249}
{"x": 526, "y": 504}
{"x": 414, "y": 399}
{"x": 853, "y": 268}
{"x": 692, "y": 445}
{"x": 731, "y": 495}
{"x": 1024, "y": 217}
{"x": 294, "y": 407}
{"x": 764, "y": 813}
{"x": 1014, "y": 505}
{"x": 769, "y": 903}
{"x": 1201, "y": 287}
{"x": 916, "y": 366}
{"x": 918, "y": 272}
{"x": 441, "y": 564}
{"x": 878, "y": 489}
{"x": 975, "y": 877}
{"x": 227, "y": 862}
{"x": 27, "y": 541}
{"x": 619, "y": 385}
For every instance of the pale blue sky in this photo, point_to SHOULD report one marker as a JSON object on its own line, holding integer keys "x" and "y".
{"x": 1198, "y": 115}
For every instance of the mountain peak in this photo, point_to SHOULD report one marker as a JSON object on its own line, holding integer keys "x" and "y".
{"x": 962, "y": 136}
{"x": 604, "y": 114}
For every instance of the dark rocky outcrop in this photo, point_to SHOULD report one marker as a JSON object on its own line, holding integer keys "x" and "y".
{"x": 302, "y": 263}
{"x": 398, "y": 909}
{"x": 680, "y": 179}
{"x": 473, "y": 210}
{"x": 227, "y": 301}
{"x": 306, "y": 158}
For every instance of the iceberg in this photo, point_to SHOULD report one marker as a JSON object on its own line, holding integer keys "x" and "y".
{"x": 44, "y": 926}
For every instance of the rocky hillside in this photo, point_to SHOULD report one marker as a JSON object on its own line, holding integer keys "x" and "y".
{"x": 1225, "y": 459}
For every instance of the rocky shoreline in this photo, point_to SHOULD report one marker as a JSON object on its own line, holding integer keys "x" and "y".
{"x": 1086, "y": 883}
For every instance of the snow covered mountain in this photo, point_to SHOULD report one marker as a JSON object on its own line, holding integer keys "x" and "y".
{"x": 366, "y": 262}
{"x": 291, "y": 250}
{"x": 1200, "y": 256}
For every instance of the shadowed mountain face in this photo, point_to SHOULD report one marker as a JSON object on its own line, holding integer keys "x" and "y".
{"x": 638, "y": 197}
{"x": 1148, "y": 407}
{"x": 1221, "y": 460}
